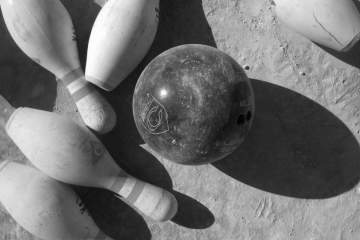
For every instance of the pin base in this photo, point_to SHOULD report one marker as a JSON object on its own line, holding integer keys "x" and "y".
{"x": 166, "y": 208}
{"x": 97, "y": 113}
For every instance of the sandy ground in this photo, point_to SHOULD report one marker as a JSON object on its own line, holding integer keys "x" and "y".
{"x": 295, "y": 177}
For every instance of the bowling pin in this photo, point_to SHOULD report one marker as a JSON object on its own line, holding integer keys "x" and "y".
{"x": 44, "y": 31}
{"x": 122, "y": 34}
{"x": 44, "y": 207}
{"x": 70, "y": 153}
{"x": 331, "y": 23}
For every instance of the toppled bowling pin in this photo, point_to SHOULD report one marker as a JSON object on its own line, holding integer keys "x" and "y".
{"x": 70, "y": 153}
{"x": 43, "y": 206}
{"x": 331, "y": 23}
{"x": 44, "y": 31}
{"x": 122, "y": 34}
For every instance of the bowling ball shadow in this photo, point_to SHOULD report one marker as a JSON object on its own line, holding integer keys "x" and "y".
{"x": 114, "y": 217}
{"x": 295, "y": 148}
{"x": 22, "y": 81}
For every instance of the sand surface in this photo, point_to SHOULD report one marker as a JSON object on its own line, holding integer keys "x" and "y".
{"x": 294, "y": 178}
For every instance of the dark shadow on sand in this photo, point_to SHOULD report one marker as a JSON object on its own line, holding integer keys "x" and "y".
{"x": 113, "y": 216}
{"x": 295, "y": 148}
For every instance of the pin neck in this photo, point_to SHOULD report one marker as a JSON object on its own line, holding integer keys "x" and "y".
{"x": 6, "y": 110}
{"x": 72, "y": 76}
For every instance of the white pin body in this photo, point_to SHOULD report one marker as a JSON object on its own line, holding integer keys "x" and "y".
{"x": 46, "y": 208}
{"x": 61, "y": 148}
{"x": 44, "y": 31}
{"x": 122, "y": 34}
{"x": 332, "y": 23}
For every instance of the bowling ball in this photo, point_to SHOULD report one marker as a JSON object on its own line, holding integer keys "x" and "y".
{"x": 193, "y": 104}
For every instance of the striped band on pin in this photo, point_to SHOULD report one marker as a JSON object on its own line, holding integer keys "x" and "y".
{"x": 118, "y": 185}
{"x": 76, "y": 84}
{"x": 134, "y": 188}
{"x": 135, "y": 193}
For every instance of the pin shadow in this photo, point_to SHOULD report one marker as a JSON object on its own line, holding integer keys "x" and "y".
{"x": 191, "y": 213}
{"x": 113, "y": 216}
{"x": 295, "y": 148}
{"x": 22, "y": 81}
{"x": 83, "y": 14}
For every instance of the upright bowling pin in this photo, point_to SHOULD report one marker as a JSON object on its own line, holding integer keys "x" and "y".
{"x": 46, "y": 208}
{"x": 120, "y": 38}
{"x": 44, "y": 31}
{"x": 72, "y": 154}
{"x": 332, "y": 23}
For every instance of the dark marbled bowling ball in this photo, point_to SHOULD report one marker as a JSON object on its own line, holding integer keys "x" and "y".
{"x": 193, "y": 104}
